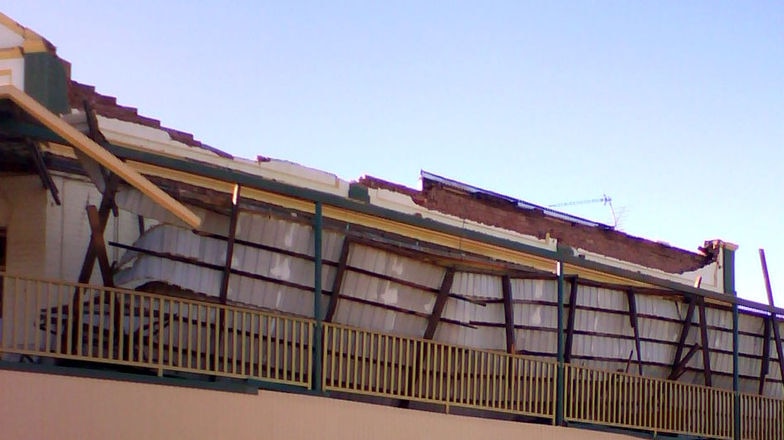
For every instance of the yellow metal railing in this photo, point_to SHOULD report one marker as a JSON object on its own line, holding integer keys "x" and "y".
{"x": 76, "y": 321}
{"x": 162, "y": 333}
{"x": 762, "y": 418}
{"x": 372, "y": 363}
{"x": 628, "y": 401}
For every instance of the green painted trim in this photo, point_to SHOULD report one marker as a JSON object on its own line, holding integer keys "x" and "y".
{"x": 728, "y": 257}
{"x": 90, "y": 373}
{"x": 736, "y": 435}
{"x": 318, "y": 228}
{"x": 357, "y": 191}
{"x": 46, "y": 80}
{"x": 563, "y": 253}
{"x": 559, "y": 382}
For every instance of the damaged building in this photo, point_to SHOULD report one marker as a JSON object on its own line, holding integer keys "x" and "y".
{"x": 131, "y": 249}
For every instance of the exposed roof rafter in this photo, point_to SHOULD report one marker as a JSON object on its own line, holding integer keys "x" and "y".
{"x": 96, "y": 152}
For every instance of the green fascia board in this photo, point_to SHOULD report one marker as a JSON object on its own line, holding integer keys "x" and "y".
{"x": 565, "y": 254}
{"x": 728, "y": 255}
{"x": 46, "y": 80}
{"x": 358, "y": 191}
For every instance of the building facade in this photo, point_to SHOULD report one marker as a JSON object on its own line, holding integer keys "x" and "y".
{"x": 133, "y": 253}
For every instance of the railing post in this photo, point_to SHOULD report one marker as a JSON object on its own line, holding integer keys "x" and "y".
{"x": 559, "y": 386}
{"x": 735, "y": 376}
{"x": 728, "y": 262}
{"x": 318, "y": 328}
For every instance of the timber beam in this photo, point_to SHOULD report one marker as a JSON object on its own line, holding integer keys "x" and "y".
{"x": 773, "y": 320}
{"x": 765, "y": 362}
{"x": 337, "y": 283}
{"x": 235, "y": 211}
{"x": 635, "y": 326}
{"x": 570, "y": 320}
{"x": 438, "y": 307}
{"x": 43, "y": 171}
{"x": 705, "y": 344}
{"x": 687, "y": 321}
{"x": 680, "y": 368}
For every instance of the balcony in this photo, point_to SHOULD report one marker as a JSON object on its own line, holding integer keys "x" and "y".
{"x": 164, "y": 335}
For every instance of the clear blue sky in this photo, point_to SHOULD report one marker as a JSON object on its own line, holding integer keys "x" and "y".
{"x": 674, "y": 109}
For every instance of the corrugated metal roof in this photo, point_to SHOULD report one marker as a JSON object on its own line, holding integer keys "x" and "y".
{"x": 384, "y": 291}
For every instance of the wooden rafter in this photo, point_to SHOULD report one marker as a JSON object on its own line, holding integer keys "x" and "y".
{"x": 337, "y": 283}
{"x": 570, "y": 320}
{"x": 216, "y": 267}
{"x": 140, "y": 224}
{"x": 96, "y": 249}
{"x": 235, "y": 212}
{"x": 687, "y": 321}
{"x": 634, "y": 324}
{"x": 705, "y": 344}
{"x": 96, "y": 152}
{"x": 765, "y": 362}
{"x": 438, "y": 307}
{"x": 43, "y": 172}
{"x": 107, "y": 203}
{"x": 98, "y": 245}
{"x": 680, "y": 368}
{"x": 773, "y": 321}
{"x": 506, "y": 291}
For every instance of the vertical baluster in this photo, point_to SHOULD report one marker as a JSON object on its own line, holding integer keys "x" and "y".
{"x": 131, "y": 325}
{"x": 395, "y": 361}
{"x": 258, "y": 342}
{"x": 159, "y": 335}
{"x": 121, "y": 326}
{"x": 47, "y": 327}
{"x": 37, "y": 345}
{"x": 112, "y": 326}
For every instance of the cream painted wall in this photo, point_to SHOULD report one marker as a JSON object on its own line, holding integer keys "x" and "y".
{"x": 39, "y": 406}
{"x": 23, "y": 212}
{"x": 12, "y": 72}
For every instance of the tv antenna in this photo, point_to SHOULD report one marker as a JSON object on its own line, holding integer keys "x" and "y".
{"x": 604, "y": 199}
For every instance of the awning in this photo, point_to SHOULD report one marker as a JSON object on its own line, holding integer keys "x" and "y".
{"x": 96, "y": 152}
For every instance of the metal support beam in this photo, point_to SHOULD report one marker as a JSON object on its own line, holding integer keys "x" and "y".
{"x": 735, "y": 375}
{"x": 438, "y": 307}
{"x": 506, "y": 291}
{"x": 318, "y": 230}
{"x": 235, "y": 213}
{"x": 634, "y": 324}
{"x": 684, "y": 335}
{"x": 337, "y": 283}
{"x": 773, "y": 321}
{"x": 705, "y": 344}
{"x": 570, "y": 320}
{"x": 559, "y": 388}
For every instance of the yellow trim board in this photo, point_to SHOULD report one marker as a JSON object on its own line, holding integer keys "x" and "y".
{"x": 341, "y": 214}
{"x": 98, "y": 153}
{"x": 11, "y": 53}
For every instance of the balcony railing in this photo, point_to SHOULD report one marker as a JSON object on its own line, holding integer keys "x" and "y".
{"x": 80, "y": 322}
{"x": 367, "y": 362}
{"x": 761, "y": 417}
{"x": 61, "y": 320}
{"x": 628, "y": 401}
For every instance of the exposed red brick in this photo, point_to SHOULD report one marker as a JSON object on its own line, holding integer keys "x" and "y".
{"x": 494, "y": 211}
{"x": 107, "y": 106}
